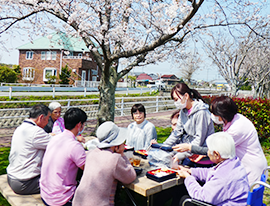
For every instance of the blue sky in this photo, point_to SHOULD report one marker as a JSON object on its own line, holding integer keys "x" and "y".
{"x": 11, "y": 56}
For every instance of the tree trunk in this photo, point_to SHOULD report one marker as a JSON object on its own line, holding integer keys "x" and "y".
{"x": 107, "y": 96}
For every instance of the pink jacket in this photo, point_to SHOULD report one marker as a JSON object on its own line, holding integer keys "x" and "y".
{"x": 247, "y": 146}
{"x": 103, "y": 169}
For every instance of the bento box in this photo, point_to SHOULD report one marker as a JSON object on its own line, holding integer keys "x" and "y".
{"x": 142, "y": 153}
{"x": 161, "y": 175}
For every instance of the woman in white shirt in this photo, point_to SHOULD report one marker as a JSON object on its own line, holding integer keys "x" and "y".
{"x": 141, "y": 132}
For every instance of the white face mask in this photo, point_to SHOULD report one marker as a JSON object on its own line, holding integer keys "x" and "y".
{"x": 179, "y": 105}
{"x": 216, "y": 119}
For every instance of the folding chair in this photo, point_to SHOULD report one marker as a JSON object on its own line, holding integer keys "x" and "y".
{"x": 255, "y": 195}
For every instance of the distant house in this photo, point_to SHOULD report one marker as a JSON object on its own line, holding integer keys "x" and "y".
{"x": 170, "y": 79}
{"x": 47, "y": 55}
{"x": 143, "y": 79}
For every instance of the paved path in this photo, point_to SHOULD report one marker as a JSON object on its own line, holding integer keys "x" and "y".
{"x": 160, "y": 119}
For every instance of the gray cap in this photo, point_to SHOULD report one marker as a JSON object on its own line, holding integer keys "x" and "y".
{"x": 109, "y": 134}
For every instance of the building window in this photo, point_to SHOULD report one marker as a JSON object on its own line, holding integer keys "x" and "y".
{"x": 49, "y": 71}
{"x": 28, "y": 73}
{"x": 29, "y": 55}
{"x": 43, "y": 55}
{"x": 48, "y": 55}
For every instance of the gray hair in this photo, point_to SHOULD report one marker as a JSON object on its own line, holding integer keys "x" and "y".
{"x": 222, "y": 143}
{"x": 54, "y": 105}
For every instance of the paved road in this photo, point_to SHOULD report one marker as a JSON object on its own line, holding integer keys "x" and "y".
{"x": 160, "y": 119}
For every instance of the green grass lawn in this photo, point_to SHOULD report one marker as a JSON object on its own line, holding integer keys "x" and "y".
{"x": 163, "y": 133}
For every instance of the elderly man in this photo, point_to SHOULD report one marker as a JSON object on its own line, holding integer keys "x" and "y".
{"x": 28, "y": 145}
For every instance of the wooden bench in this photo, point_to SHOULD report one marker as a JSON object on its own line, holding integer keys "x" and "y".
{"x": 18, "y": 200}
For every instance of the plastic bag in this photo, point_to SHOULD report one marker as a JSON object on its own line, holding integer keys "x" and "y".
{"x": 160, "y": 158}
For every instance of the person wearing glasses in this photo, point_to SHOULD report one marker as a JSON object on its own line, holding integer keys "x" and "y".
{"x": 141, "y": 131}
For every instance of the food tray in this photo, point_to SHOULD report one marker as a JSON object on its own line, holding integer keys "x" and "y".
{"x": 142, "y": 153}
{"x": 128, "y": 148}
{"x": 163, "y": 147}
{"x": 160, "y": 175}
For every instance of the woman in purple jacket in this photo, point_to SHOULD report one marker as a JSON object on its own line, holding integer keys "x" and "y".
{"x": 224, "y": 184}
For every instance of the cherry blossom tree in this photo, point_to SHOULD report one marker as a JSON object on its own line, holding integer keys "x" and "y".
{"x": 189, "y": 65}
{"x": 241, "y": 60}
{"x": 133, "y": 32}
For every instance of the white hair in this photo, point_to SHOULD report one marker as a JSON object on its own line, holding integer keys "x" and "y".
{"x": 54, "y": 105}
{"x": 222, "y": 143}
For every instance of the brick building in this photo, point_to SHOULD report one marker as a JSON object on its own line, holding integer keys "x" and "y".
{"x": 47, "y": 55}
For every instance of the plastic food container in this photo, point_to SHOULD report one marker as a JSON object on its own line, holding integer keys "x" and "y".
{"x": 142, "y": 153}
{"x": 160, "y": 175}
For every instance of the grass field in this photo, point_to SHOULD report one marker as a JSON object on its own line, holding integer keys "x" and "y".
{"x": 163, "y": 133}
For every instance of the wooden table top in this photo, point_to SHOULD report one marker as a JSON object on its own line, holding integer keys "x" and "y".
{"x": 146, "y": 187}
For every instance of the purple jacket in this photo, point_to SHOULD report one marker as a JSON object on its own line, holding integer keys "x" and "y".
{"x": 225, "y": 184}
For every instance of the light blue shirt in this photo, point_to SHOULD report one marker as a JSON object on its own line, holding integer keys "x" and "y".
{"x": 140, "y": 135}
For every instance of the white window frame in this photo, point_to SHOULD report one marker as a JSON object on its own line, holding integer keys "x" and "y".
{"x": 29, "y": 55}
{"x": 43, "y": 55}
{"x": 54, "y": 72}
{"x": 28, "y": 73}
{"x": 48, "y": 55}
{"x": 83, "y": 76}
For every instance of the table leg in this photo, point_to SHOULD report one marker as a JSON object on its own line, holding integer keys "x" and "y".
{"x": 150, "y": 200}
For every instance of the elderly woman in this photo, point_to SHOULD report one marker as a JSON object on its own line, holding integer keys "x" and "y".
{"x": 226, "y": 183}
{"x": 141, "y": 131}
{"x": 56, "y": 123}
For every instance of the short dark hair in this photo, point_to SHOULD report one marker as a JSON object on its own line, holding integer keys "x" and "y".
{"x": 137, "y": 107}
{"x": 224, "y": 107}
{"x": 73, "y": 116}
{"x": 182, "y": 88}
{"x": 175, "y": 114}
{"x": 38, "y": 110}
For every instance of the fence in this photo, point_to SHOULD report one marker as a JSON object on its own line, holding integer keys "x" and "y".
{"x": 13, "y": 117}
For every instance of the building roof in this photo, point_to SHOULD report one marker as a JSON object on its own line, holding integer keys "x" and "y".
{"x": 144, "y": 76}
{"x": 154, "y": 76}
{"x": 57, "y": 40}
{"x": 169, "y": 76}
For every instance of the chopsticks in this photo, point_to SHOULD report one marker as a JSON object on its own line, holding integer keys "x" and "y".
{"x": 148, "y": 148}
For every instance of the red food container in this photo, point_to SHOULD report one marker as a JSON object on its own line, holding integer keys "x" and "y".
{"x": 160, "y": 175}
{"x": 142, "y": 153}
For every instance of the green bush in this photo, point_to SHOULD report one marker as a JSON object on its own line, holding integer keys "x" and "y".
{"x": 257, "y": 111}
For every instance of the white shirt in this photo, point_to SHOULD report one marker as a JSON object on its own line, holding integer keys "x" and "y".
{"x": 140, "y": 135}
{"x": 28, "y": 145}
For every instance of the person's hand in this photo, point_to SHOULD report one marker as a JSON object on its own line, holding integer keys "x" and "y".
{"x": 183, "y": 173}
{"x": 153, "y": 141}
{"x": 80, "y": 139}
{"x": 182, "y": 147}
{"x": 196, "y": 157}
{"x": 52, "y": 134}
{"x": 175, "y": 159}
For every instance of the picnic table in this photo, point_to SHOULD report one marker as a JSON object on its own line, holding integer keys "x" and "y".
{"x": 147, "y": 187}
